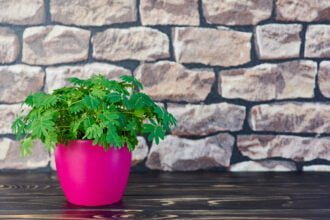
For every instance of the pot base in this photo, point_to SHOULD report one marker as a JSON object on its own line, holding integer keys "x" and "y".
{"x": 87, "y": 204}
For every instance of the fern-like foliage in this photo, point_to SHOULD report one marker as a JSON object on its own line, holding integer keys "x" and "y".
{"x": 111, "y": 113}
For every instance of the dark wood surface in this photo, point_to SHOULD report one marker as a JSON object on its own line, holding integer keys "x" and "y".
{"x": 196, "y": 195}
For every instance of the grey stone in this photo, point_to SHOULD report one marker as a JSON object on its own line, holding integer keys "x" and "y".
{"x": 317, "y": 42}
{"x": 294, "y": 117}
{"x": 316, "y": 168}
{"x": 7, "y": 116}
{"x": 288, "y": 80}
{"x": 200, "y": 120}
{"x": 167, "y": 80}
{"x": 93, "y": 13}
{"x": 278, "y": 41}
{"x": 290, "y": 147}
{"x": 179, "y": 154}
{"x": 141, "y": 151}
{"x": 263, "y": 166}
{"x": 237, "y": 12}
{"x": 46, "y": 45}
{"x": 136, "y": 43}
{"x": 10, "y": 156}
{"x": 22, "y": 12}
{"x": 18, "y": 81}
{"x": 303, "y": 10}
{"x": 324, "y": 78}
{"x": 203, "y": 45}
{"x": 169, "y": 12}
{"x": 9, "y": 45}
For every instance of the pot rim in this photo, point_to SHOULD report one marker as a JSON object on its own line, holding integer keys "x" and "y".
{"x": 89, "y": 141}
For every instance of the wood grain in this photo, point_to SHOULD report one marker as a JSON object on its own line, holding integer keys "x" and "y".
{"x": 198, "y": 195}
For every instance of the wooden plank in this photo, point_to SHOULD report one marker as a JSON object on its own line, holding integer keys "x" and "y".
{"x": 161, "y": 188}
{"x": 156, "y": 195}
{"x": 286, "y": 214}
{"x": 177, "y": 202}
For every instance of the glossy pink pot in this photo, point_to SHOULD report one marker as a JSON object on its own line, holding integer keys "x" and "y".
{"x": 91, "y": 176}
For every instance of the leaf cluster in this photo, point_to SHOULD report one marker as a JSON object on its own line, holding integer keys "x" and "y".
{"x": 111, "y": 113}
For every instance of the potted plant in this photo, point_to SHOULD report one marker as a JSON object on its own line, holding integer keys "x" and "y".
{"x": 93, "y": 126}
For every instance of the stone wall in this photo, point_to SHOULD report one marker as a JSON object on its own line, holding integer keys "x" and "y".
{"x": 249, "y": 81}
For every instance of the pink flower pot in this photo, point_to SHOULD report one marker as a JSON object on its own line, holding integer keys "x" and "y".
{"x": 91, "y": 176}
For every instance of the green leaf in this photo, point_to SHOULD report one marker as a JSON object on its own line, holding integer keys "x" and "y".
{"x": 139, "y": 113}
{"x": 113, "y": 137}
{"x": 98, "y": 92}
{"x": 131, "y": 142}
{"x": 172, "y": 119}
{"x": 154, "y": 132}
{"x": 77, "y": 107}
{"x": 50, "y": 141}
{"x": 18, "y": 127}
{"x": 113, "y": 97}
{"x": 66, "y": 92}
{"x": 74, "y": 126}
{"x": 88, "y": 122}
{"x": 132, "y": 127}
{"x": 110, "y": 118}
{"x": 42, "y": 126}
{"x": 29, "y": 100}
{"x": 93, "y": 132}
{"x": 79, "y": 82}
{"x": 114, "y": 86}
{"x": 137, "y": 101}
{"x": 133, "y": 80}
{"x": 26, "y": 146}
{"x": 42, "y": 100}
{"x": 91, "y": 102}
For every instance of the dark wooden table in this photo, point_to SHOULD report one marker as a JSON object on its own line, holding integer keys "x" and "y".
{"x": 196, "y": 195}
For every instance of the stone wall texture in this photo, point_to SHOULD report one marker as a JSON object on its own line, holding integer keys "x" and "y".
{"x": 248, "y": 81}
